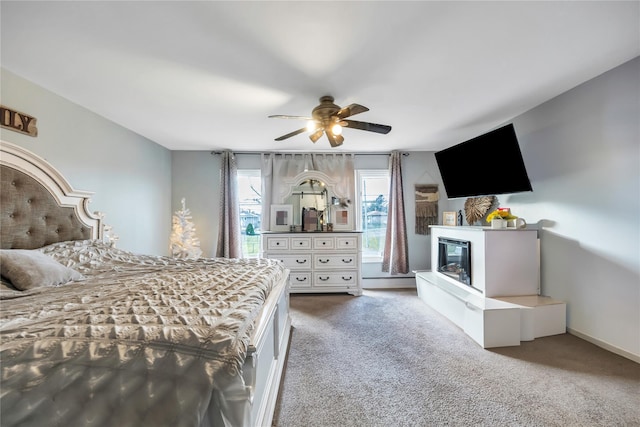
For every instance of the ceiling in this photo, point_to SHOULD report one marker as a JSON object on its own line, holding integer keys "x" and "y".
{"x": 204, "y": 75}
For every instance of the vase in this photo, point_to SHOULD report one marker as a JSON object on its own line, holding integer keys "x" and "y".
{"x": 498, "y": 223}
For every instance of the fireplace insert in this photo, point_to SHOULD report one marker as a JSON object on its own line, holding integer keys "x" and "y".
{"x": 454, "y": 259}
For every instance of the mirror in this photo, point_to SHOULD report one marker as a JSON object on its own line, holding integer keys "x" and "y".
{"x": 317, "y": 193}
{"x": 312, "y": 197}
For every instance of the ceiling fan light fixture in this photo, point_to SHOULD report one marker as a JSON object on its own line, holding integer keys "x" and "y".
{"x": 328, "y": 119}
{"x": 316, "y": 135}
{"x": 311, "y": 126}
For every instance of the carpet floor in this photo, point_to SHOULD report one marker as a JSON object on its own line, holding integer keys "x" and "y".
{"x": 387, "y": 359}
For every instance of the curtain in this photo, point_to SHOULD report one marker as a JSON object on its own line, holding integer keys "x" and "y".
{"x": 266, "y": 173}
{"x": 229, "y": 245}
{"x": 340, "y": 168}
{"x": 396, "y": 252}
{"x": 277, "y": 168}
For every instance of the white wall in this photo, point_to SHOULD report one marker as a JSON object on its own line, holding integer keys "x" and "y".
{"x": 130, "y": 175}
{"x": 196, "y": 177}
{"x": 582, "y": 152}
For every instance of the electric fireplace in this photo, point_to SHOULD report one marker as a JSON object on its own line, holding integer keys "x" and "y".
{"x": 454, "y": 259}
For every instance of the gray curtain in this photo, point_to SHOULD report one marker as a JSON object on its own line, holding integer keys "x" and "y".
{"x": 396, "y": 252}
{"x": 229, "y": 245}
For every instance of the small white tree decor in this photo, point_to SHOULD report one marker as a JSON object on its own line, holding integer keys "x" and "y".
{"x": 184, "y": 243}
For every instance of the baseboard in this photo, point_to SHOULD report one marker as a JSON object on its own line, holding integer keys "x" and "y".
{"x": 605, "y": 345}
{"x": 389, "y": 283}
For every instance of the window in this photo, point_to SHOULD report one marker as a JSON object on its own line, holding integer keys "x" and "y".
{"x": 250, "y": 203}
{"x": 373, "y": 197}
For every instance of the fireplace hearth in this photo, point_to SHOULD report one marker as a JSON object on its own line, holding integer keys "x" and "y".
{"x": 454, "y": 259}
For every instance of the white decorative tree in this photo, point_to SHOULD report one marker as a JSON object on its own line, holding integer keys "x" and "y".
{"x": 184, "y": 243}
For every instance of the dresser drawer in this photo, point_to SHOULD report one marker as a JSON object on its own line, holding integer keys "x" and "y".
{"x": 300, "y": 280}
{"x": 347, "y": 242}
{"x": 323, "y": 242}
{"x": 340, "y": 278}
{"x": 277, "y": 243}
{"x": 322, "y": 261}
{"x": 293, "y": 262}
{"x": 300, "y": 243}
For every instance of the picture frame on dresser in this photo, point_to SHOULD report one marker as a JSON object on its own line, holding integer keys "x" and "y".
{"x": 342, "y": 219}
{"x": 450, "y": 218}
{"x": 281, "y": 217}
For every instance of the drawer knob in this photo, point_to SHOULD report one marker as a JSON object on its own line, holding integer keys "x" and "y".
{"x": 301, "y": 280}
{"x": 324, "y": 279}
{"x": 324, "y": 261}
{"x": 300, "y": 243}
{"x": 347, "y": 261}
{"x": 277, "y": 243}
{"x": 346, "y": 278}
{"x": 301, "y": 261}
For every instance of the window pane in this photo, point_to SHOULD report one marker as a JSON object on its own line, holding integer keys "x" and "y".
{"x": 374, "y": 196}
{"x": 250, "y": 199}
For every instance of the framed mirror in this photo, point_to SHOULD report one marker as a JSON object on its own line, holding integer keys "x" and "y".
{"x": 312, "y": 197}
{"x": 310, "y": 200}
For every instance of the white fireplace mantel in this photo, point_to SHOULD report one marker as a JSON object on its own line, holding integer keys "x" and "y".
{"x": 503, "y": 307}
{"x": 504, "y": 262}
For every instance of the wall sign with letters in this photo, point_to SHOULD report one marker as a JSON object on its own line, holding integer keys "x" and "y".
{"x": 17, "y": 121}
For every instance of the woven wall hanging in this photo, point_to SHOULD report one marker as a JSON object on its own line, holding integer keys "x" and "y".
{"x": 426, "y": 207}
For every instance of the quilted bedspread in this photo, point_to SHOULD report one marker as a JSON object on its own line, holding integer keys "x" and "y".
{"x": 142, "y": 341}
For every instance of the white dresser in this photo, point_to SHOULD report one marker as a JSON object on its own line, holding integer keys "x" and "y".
{"x": 320, "y": 262}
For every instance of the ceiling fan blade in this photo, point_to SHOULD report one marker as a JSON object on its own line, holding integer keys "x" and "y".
{"x": 316, "y": 135}
{"x": 350, "y": 110}
{"x": 284, "y": 116}
{"x": 335, "y": 140}
{"x": 371, "y": 127}
{"x": 289, "y": 135}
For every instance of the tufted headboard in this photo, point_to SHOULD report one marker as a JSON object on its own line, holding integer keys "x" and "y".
{"x": 38, "y": 206}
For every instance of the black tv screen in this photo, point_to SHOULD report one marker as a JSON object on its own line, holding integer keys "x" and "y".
{"x": 486, "y": 165}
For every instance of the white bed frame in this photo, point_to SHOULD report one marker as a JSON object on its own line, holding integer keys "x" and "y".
{"x": 267, "y": 353}
{"x": 266, "y": 357}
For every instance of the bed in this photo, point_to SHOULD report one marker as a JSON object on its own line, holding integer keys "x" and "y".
{"x": 96, "y": 335}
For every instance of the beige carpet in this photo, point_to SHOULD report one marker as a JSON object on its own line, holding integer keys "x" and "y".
{"x": 387, "y": 359}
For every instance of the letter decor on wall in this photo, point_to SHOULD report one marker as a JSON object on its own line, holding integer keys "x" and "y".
{"x": 17, "y": 121}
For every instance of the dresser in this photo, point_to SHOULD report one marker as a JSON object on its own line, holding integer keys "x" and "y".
{"x": 320, "y": 262}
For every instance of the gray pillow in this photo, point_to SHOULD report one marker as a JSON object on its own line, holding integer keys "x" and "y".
{"x": 28, "y": 269}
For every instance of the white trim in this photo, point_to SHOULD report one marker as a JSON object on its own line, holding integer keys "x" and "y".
{"x": 605, "y": 345}
{"x": 389, "y": 283}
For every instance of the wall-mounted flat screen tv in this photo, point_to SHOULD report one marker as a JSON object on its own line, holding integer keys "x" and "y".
{"x": 486, "y": 165}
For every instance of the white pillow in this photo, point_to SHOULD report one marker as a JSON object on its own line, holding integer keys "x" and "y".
{"x": 28, "y": 269}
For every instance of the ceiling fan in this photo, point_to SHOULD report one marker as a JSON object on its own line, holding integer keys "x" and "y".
{"x": 329, "y": 119}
